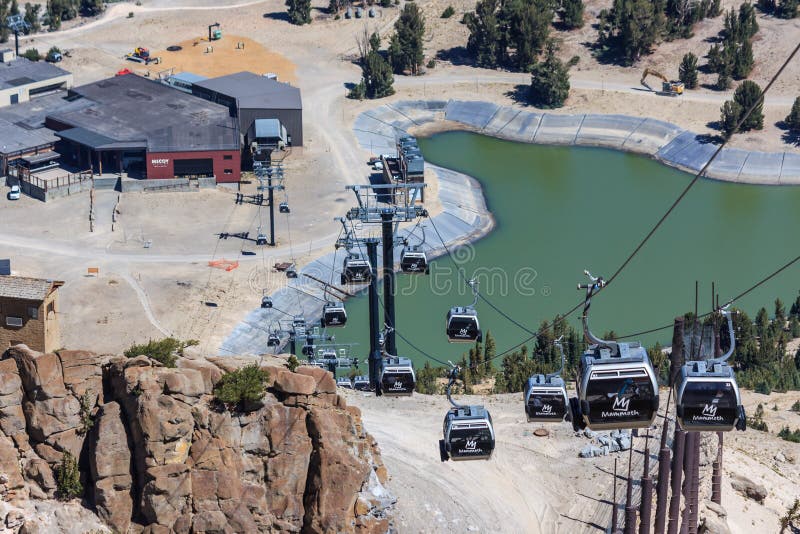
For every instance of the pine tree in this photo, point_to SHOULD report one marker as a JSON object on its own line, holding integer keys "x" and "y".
{"x": 406, "y": 48}
{"x": 743, "y": 62}
{"x": 747, "y": 95}
{"x": 527, "y": 29}
{"x": 793, "y": 122}
{"x": 731, "y": 112}
{"x": 299, "y": 11}
{"x": 787, "y": 9}
{"x": 549, "y": 81}
{"x": 687, "y": 72}
{"x": 484, "y": 34}
{"x": 14, "y": 9}
{"x": 572, "y": 14}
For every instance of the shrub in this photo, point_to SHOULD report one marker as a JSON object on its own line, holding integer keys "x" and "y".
{"x": 68, "y": 478}
{"x": 789, "y": 435}
{"x": 242, "y": 389}
{"x": 87, "y": 419}
{"x": 130, "y": 14}
{"x": 796, "y": 406}
{"x": 32, "y": 54}
{"x": 165, "y": 351}
{"x": 293, "y": 363}
{"x": 431, "y": 63}
{"x": 358, "y": 92}
{"x": 448, "y": 12}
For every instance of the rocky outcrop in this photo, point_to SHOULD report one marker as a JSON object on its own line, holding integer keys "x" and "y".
{"x": 157, "y": 454}
{"x": 748, "y": 488}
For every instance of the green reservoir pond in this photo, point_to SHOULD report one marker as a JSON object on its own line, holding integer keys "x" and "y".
{"x": 560, "y": 210}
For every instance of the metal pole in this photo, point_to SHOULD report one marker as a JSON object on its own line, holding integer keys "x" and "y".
{"x": 614, "y": 503}
{"x": 688, "y": 472}
{"x": 695, "y": 485}
{"x": 716, "y": 477}
{"x": 271, "y": 198}
{"x": 679, "y": 441}
{"x": 662, "y": 489}
{"x": 387, "y": 216}
{"x": 375, "y": 360}
{"x": 292, "y": 344}
{"x": 630, "y": 509}
{"x": 647, "y": 490}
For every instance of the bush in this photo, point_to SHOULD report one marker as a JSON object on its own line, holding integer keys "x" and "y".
{"x": 293, "y": 363}
{"x": 763, "y": 388}
{"x": 68, "y": 478}
{"x": 789, "y": 435}
{"x": 242, "y": 389}
{"x": 32, "y": 54}
{"x": 549, "y": 81}
{"x": 358, "y": 92}
{"x": 431, "y": 63}
{"x": 572, "y": 14}
{"x": 87, "y": 419}
{"x": 796, "y": 406}
{"x": 165, "y": 351}
{"x": 130, "y": 14}
{"x": 448, "y": 12}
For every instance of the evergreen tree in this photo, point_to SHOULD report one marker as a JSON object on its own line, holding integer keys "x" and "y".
{"x": 299, "y": 11}
{"x": 376, "y": 73}
{"x": 32, "y": 16}
{"x": 406, "y": 46}
{"x": 743, "y": 62}
{"x": 767, "y": 6}
{"x": 793, "y": 122}
{"x": 572, "y": 14}
{"x": 550, "y": 81}
{"x": 747, "y": 95}
{"x": 14, "y": 9}
{"x": 747, "y": 20}
{"x": 527, "y": 29}
{"x": 787, "y": 9}
{"x": 90, "y": 8}
{"x": 731, "y": 112}
{"x": 631, "y": 27}
{"x": 484, "y": 34}
{"x": 687, "y": 72}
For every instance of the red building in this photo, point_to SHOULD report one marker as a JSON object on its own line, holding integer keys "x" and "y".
{"x": 148, "y": 130}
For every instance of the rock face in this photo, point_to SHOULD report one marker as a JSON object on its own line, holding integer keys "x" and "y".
{"x": 748, "y": 488}
{"x": 157, "y": 454}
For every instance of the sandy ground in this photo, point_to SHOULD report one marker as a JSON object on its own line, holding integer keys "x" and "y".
{"x": 538, "y": 484}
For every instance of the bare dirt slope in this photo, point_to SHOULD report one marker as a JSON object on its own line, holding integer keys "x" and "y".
{"x": 535, "y": 484}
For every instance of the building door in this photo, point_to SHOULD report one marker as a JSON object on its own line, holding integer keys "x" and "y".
{"x": 192, "y": 168}
{"x": 15, "y": 98}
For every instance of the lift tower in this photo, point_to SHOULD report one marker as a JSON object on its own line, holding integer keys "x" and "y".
{"x": 387, "y": 205}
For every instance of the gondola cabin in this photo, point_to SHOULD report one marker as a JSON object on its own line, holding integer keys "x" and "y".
{"x": 273, "y": 340}
{"x": 414, "y": 261}
{"x": 266, "y": 303}
{"x": 361, "y": 383}
{"x": 334, "y": 314}
{"x": 546, "y": 399}
{"x": 707, "y": 398}
{"x": 344, "y": 382}
{"x": 309, "y": 350}
{"x": 468, "y": 434}
{"x": 283, "y": 207}
{"x": 462, "y": 325}
{"x": 616, "y": 388}
{"x": 356, "y": 270}
{"x": 398, "y": 377}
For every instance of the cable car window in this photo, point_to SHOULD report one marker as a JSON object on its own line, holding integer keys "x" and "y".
{"x": 547, "y": 405}
{"x": 463, "y": 327}
{"x": 470, "y": 442}
{"x": 625, "y": 399}
{"x": 709, "y": 403}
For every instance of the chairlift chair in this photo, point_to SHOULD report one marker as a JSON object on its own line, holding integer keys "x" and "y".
{"x": 707, "y": 397}
{"x": 334, "y": 314}
{"x": 361, "y": 383}
{"x": 398, "y": 377}
{"x": 468, "y": 431}
{"x": 344, "y": 382}
{"x": 546, "y": 395}
{"x": 616, "y": 384}
{"x": 462, "y": 324}
{"x": 356, "y": 269}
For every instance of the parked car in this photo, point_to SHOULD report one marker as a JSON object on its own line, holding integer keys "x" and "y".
{"x": 14, "y": 193}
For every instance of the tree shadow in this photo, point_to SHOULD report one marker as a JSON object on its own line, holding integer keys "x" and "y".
{"x": 458, "y": 55}
{"x": 520, "y": 94}
{"x": 278, "y": 15}
{"x": 714, "y": 139}
{"x": 791, "y": 137}
{"x": 587, "y": 523}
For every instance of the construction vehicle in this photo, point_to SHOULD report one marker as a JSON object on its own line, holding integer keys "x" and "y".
{"x": 216, "y": 34}
{"x": 140, "y": 55}
{"x": 668, "y": 87}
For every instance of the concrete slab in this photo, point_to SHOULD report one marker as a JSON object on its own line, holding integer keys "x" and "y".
{"x": 606, "y": 130}
{"x": 475, "y": 114}
{"x": 762, "y": 167}
{"x": 558, "y": 129}
{"x": 728, "y": 164}
{"x": 650, "y": 136}
{"x": 500, "y": 120}
{"x": 790, "y": 171}
{"x": 521, "y": 128}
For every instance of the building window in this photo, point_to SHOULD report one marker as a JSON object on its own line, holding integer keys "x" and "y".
{"x": 51, "y": 308}
{"x": 227, "y": 156}
{"x": 33, "y": 312}
{"x": 14, "y": 321}
{"x": 228, "y": 171}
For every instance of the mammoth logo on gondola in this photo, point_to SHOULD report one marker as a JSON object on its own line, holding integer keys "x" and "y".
{"x": 621, "y": 404}
{"x": 398, "y": 385}
{"x": 547, "y": 409}
{"x": 471, "y": 444}
{"x": 709, "y": 410}
{"x": 708, "y": 415}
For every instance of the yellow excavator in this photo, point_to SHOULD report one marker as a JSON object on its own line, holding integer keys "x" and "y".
{"x": 668, "y": 87}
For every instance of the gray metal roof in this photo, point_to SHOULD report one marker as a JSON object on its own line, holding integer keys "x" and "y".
{"x": 188, "y": 77}
{"x": 20, "y": 287}
{"x": 268, "y": 128}
{"x": 14, "y": 138}
{"x": 22, "y": 125}
{"x": 22, "y": 71}
{"x": 130, "y": 109}
{"x": 252, "y": 91}
{"x": 50, "y": 155}
{"x": 85, "y": 137}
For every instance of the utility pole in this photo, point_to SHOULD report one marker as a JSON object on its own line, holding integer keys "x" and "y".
{"x": 264, "y": 173}
{"x": 375, "y": 359}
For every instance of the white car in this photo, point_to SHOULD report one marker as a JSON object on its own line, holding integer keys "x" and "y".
{"x": 14, "y": 193}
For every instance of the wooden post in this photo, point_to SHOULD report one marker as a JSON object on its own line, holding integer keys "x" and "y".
{"x": 662, "y": 488}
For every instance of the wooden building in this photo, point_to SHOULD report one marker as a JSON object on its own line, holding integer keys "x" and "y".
{"x": 29, "y": 313}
